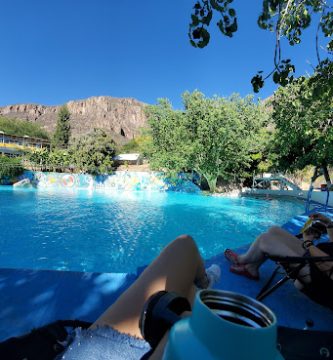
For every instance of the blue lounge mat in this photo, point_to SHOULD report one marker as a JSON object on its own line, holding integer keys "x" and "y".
{"x": 33, "y": 298}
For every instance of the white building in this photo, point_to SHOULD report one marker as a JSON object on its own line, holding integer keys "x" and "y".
{"x": 130, "y": 159}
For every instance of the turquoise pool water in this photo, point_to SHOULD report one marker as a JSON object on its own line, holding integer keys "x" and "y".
{"x": 102, "y": 232}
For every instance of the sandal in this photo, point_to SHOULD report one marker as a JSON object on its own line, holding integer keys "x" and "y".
{"x": 241, "y": 270}
{"x": 231, "y": 256}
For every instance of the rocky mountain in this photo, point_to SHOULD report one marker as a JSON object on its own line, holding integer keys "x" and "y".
{"x": 120, "y": 117}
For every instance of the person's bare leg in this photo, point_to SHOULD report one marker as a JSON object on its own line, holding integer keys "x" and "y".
{"x": 277, "y": 242}
{"x": 175, "y": 269}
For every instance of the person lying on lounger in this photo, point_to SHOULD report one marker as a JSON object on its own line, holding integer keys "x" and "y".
{"x": 315, "y": 279}
{"x": 116, "y": 334}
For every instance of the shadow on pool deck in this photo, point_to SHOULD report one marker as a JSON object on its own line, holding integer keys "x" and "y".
{"x": 33, "y": 298}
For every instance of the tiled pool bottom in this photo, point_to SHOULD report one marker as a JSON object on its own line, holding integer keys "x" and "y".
{"x": 32, "y": 298}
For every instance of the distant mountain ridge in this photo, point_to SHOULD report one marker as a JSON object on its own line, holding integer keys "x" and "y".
{"x": 120, "y": 117}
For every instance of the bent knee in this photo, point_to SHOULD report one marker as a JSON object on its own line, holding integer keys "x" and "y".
{"x": 185, "y": 239}
{"x": 274, "y": 230}
{"x": 186, "y": 242}
{"x": 265, "y": 242}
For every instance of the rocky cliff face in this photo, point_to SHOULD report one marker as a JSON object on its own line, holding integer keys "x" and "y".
{"x": 120, "y": 117}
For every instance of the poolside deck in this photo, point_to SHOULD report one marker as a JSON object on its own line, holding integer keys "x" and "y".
{"x": 33, "y": 298}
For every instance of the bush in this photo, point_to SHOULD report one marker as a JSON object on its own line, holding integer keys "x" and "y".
{"x": 140, "y": 144}
{"x": 93, "y": 153}
{"x": 10, "y": 168}
{"x": 21, "y": 128}
{"x": 131, "y": 147}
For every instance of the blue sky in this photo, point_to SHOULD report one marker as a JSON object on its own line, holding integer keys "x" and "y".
{"x": 61, "y": 50}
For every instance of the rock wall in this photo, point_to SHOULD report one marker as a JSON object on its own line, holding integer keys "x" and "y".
{"x": 120, "y": 117}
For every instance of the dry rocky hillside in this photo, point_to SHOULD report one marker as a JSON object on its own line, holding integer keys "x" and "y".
{"x": 120, "y": 117}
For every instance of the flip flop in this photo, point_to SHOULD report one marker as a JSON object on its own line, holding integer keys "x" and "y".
{"x": 241, "y": 270}
{"x": 231, "y": 256}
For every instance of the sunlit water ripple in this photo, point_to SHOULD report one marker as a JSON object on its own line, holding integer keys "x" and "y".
{"x": 103, "y": 232}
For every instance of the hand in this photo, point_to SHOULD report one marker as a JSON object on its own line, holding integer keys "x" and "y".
{"x": 322, "y": 218}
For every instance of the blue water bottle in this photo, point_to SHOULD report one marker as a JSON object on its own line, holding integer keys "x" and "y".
{"x": 226, "y": 326}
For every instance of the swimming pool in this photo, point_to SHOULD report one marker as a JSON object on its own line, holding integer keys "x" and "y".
{"x": 82, "y": 231}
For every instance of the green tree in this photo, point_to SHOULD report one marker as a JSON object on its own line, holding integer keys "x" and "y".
{"x": 171, "y": 144}
{"x": 93, "y": 153}
{"x": 215, "y": 137}
{"x": 303, "y": 116}
{"x": 265, "y": 157}
{"x": 286, "y": 18}
{"x": 225, "y": 133}
{"x": 62, "y": 132}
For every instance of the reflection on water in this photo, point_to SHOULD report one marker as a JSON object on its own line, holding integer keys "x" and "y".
{"x": 118, "y": 231}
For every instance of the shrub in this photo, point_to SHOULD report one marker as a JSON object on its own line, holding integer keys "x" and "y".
{"x": 10, "y": 168}
{"x": 93, "y": 153}
{"x": 21, "y": 128}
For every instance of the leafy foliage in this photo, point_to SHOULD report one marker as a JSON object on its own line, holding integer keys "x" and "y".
{"x": 93, "y": 153}
{"x": 139, "y": 144}
{"x": 214, "y": 137}
{"x": 10, "y": 167}
{"x": 39, "y": 157}
{"x": 287, "y": 18}
{"x": 202, "y": 16}
{"x": 62, "y": 132}
{"x": 59, "y": 159}
{"x": 55, "y": 160}
{"x": 170, "y": 142}
{"x": 303, "y": 114}
{"x": 131, "y": 147}
{"x": 21, "y": 128}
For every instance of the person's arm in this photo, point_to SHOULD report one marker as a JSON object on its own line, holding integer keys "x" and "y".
{"x": 324, "y": 266}
{"x": 326, "y": 221}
